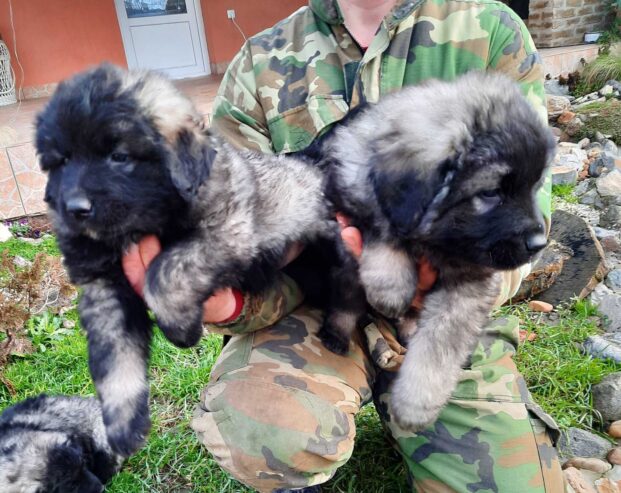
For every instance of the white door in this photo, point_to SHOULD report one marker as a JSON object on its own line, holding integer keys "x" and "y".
{"x": 165, "y": 35}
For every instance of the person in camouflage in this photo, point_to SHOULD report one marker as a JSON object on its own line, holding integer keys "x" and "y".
{"x": 278, "y": 412}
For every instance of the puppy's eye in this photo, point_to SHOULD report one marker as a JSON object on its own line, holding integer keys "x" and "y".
{"x": 490, "y": 195}
{"x": 119, "y": 157}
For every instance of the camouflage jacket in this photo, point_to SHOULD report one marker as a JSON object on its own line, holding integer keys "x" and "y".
{"x": 291, "y": 82}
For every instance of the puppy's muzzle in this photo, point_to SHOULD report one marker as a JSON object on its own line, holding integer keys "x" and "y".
{"x": 78, "y": 206}
{"x": 535, "y": 242}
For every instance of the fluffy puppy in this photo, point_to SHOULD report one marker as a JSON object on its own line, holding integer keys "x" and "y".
{"x": 55, "y": 444}
{"x": 449, "y": 171}
{"x": 126, "y": 155}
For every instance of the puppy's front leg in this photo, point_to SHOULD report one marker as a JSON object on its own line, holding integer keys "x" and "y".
{"x": 448, "y": 327}
{"x": 119, "y": 332}
{"x": 388, "y": 276}
{"x": 178, "y": 281}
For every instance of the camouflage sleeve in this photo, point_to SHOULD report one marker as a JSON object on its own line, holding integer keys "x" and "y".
{"x": 513, "y": 52}
{"x": 237, "y": 114}
{"x": 264, "y": 309}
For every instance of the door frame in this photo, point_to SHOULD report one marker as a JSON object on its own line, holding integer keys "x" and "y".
{"x": 130, "y": 54}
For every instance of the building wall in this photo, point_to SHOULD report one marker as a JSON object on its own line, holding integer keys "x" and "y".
{"x": 253, "y": 16}
{"x": 57, "y": 38}
{"x": 554, "y": 23}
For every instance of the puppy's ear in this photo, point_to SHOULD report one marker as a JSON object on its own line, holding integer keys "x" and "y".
{"x": 191, "y": 163}
{"x": 409, "y": 196}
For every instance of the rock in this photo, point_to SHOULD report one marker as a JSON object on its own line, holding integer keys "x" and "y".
{"x": 615, "y": 430}
{"x": 545, "y": 270}
{"x": 609, "y": 185}
{"x": 602, "y": 233}
{"x": 584, "y": 143}
{"x": 582, "y": 272}
{"x": 616, "y": 85}
{"x": 5, "y": 233}
{"x": 587, "y": 103}
{"x": 580, "y": 443}
{"x": 607, "y": 346}
{"x": 592, "y": 198}
{"x": 21, "y": 262}
{"x": 540, "y": 306}
{"x": 565, "y": 117}
{"x": 614, "y": 474}
{"x": 613, "y": 280}
{"x": 582, "y": 188}
{"x": 556, "y": 105}
{"x": 577, "y": 481}
{"x": 609, "y": 146}
{"x": 605, "y": 485}
{"x": 564, "y": 175}
{"x": 600, "y": 137}
{"x": 610, "y": 308}
{"x": 607, "y": 398}
{"x": 574, "y": 127}
{"x": 614, "y": 456}
{"x": 606, "y": 90}
{"x": 603, "y": 163}
{"x": 610, "y": 244}
{"x": 596, "y": 465}
{"x": 599, "y": 293}
{"x": 68, "y": 324}
{"x": 611, "y": 217}
{"x": 553, "y": 87}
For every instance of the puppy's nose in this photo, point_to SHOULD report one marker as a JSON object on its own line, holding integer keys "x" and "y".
{"x": 79, "y": 207}
{"x": 536, "y": 242}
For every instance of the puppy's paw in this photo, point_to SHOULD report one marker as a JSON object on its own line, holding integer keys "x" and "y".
{"x": 127, "y": 436}
{"x": 415, "y": 404}
{"x": 333, "y": 340}
{"x": 184, "y": 332}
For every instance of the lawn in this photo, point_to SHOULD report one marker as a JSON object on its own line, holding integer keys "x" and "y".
{"x": 558, "y": 374}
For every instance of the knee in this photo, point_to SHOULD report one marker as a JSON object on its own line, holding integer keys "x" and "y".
{"x": 269, "y": 435}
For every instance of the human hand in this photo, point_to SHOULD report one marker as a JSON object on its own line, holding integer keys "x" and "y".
{"x": 427, "y": 275}
{"x": 217, "y": 309}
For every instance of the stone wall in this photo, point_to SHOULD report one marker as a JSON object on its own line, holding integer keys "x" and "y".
{"x": 555, "y": 23}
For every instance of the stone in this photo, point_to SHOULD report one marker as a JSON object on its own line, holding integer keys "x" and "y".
{"x": 613, "y": 280}
{"x": 609, "y": 185}
{"x": 565, "y": 117}
{"x": 544, "y": 272}
{"x": 605, "y": 485}
{"x": 614, "y": 456}
{"x": 614, "y": 474}
{"x": 582, "y": 188}
{"x": 616, "y": 85}
{"x": 611, "y": 217}
{"x": 599, "y": 293}
{"x": 556, "y": 105}
{"x": 592, "y": 198}
{"x": 553, "y": 87}
{"x": 564, "y": 175}
{"x": 21, "y": 262}
{"x": 606, "y": 90}
{"x": 590, "y": 464}
{"x": 540, "y": 306}
{"x": 5, "y": 233}
{"x": 610, "y": 308}
{"x": 610, "y": 244}
{"x": 607, "y": 346}
{"x": 574, "y": 127}
{"x": 587, "y": 103}
{"x": 583, "y": 271}
{"x": 577, "y": 481}
{"x": 575, "y": 442}
{"x": 607, "y": 399}
{"x": 615, "y": 430}
{"x": 600, "y": 137}
{"x": 584, "y": 143}
{"x": 609, "y": 146}
{"x": 603, "y": 163}
{"x": 604, "y": 233}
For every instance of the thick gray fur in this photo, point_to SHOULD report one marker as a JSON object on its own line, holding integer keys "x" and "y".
{"x": 55, "y": 444}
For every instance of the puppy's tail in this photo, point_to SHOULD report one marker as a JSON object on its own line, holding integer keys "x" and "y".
{"x": 119, "y": 333}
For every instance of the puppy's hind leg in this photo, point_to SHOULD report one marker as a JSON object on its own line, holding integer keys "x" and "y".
{"x": 119, "y": 332}
{"x": 449, "y": 325}
{"x": 346, "y": 305}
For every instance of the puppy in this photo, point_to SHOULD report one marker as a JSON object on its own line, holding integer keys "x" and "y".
{"x": 126, "y": 155}
{"x": 55, "y": 444}
{"x": 449, "y": 171}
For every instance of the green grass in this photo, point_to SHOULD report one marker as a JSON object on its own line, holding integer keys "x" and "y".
{"x": 565, "y": 192}
{"x": 559, "y": 376}
{"x": 607, "y": 121}
{"x": 596, "y": 73}
{"x": 16, "y": 246}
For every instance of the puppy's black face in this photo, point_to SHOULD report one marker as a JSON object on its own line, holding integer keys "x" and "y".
{"x": 490, "y": 215}
{"x": 67, "y": 471}
{"x": 108, "y": 165}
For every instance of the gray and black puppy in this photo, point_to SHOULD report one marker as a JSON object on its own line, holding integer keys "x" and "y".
{"x": 449, "y": 171}
{"x": 127, "y": 155}
{"x": 55, "y": 444}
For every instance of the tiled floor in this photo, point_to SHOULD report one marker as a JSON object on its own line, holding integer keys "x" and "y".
{"x": 21, "y": 183}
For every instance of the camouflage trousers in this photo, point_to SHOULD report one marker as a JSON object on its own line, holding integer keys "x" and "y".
{"x": 279, "y": 413}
